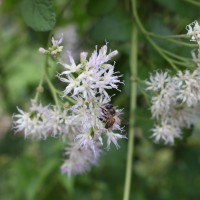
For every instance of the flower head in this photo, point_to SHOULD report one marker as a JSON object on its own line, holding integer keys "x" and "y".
{"x": 158, "y": 81}
{"x": 85, "y": 123}
{"x": 79, "y": 160}
{"x": 166, "y": 132}
{"x": 194, "y": 31}
{"x": 91, "y": 77}
{"x": 188, "y": 87}
{"x": 39, "y": 122}
{"x": 175, "y": 104}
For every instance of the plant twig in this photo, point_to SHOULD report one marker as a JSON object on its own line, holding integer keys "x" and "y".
{"x": 130, "y": 151}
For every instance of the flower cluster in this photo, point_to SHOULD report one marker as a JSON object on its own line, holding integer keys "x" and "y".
{"x": 176, "y": 100}
{"x": 175, "y": 104}
{"x": 91, "y": 118}
{"x": 41, "y": 121}
{"x": 91, "y": 77}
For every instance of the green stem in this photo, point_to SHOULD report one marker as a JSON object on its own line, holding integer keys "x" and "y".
{"x": 175, "y": 56}
{"x": 52, "y": 89}
{"x": 46, "y": 74}
{"x": 69, "y": 99}
{"x": 179, "y": 60}
{"x": 38, "y": 92}
{"x": 182, "y": 43}
{"x": 171, "y": 39}
{"x": 133, "y": 69}
{"x": 166, "y": 36}
{"x": 183, "y": 64}
{"x": 156, "y": 47}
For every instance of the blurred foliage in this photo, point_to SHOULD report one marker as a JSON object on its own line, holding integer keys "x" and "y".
{"x": 30, "y": 169}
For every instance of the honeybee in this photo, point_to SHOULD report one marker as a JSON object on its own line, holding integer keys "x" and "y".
{"x": 108, "y": 115}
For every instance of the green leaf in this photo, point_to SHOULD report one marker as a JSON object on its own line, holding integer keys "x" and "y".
{"x": 38, "y": 14}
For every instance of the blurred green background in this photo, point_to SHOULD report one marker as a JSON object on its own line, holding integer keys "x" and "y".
{"x": 29, "y": 169}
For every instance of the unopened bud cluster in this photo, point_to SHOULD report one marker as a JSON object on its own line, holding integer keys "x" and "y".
{"x": 55, "y": 49}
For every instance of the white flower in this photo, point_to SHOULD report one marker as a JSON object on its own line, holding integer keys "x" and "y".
{"x": 56, "y": 120}
{"x": 72, "y": 67}
{"x": 82, "y": 125}
{"x": 88, "y": 140}
{"x": 87, "y": 115}
{"x": 182, "y": 116}
{"x": 80, "y": 160}
{"x": 196, "y": 57}
{"x": 175, "y": 104}
{"x": 194, "y": 31}
{"x": 40, "y": 122}
{"x": 166, "y": 132}
{"x": 21, "y": 122}
{"x": 98, "y": 59}
{"x": 165, "y": 96}
{"x": 113, "y": 137}
{"x": 188, "y": 87}
{"x": 57, "y": 42}
{"x": 34, "y": 123}
{"x": 158, "y": 81}
{"x": 91, "y": 77}
{"x": 73, "y": 85}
